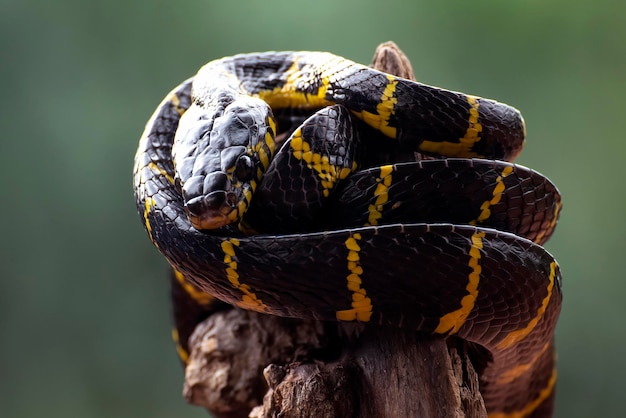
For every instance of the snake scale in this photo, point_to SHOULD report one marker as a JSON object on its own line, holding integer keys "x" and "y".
{"x": 266, "y": 183}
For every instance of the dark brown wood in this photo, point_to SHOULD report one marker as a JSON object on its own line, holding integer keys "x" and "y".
{"x": 248, "y": 364}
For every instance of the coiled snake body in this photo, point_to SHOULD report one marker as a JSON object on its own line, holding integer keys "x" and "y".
{"x": 321, "y": 229}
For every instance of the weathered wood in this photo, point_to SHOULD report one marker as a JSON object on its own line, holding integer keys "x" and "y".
{"x": 248, "y": 364}
{"x": 243, "y": 361}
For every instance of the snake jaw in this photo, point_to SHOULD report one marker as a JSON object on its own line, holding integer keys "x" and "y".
{"x": 212, "y": 219}
{"x": 216, "y": 199}
{"x": 223, "y": 201}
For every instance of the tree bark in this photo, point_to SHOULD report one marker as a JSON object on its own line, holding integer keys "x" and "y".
{"x": 247, "y": 364}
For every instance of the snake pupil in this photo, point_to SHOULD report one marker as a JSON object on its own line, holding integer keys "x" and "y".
{"x": 244, "y": 168}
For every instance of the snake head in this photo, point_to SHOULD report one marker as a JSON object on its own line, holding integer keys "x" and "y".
{"x": 220, "y": 153}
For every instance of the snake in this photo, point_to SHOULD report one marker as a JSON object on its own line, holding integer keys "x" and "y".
{"x": 285, "y": 183}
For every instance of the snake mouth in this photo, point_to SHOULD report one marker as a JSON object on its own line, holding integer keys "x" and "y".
{"x": 212, "y": 211}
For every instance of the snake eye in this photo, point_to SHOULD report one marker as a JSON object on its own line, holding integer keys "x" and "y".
{"x": 244, "y": 168}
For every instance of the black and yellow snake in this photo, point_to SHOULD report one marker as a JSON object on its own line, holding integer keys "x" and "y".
{"x": 317, "y": 226}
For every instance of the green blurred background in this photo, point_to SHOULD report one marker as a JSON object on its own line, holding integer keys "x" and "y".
{"x": 84, "y": 316}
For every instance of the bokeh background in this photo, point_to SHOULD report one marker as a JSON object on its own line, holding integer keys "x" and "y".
{"x": 84, "y": 316}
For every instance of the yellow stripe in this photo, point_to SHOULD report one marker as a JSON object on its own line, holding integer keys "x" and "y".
{"x": 328, "y": 173}
{"x": 175, "y": 100}
{"x": 381, "y": 194}
{"x": 249, "y": 300}
{"x": 361, "y": 304}
{"x": 154, "y": 167}
{"x": 474, "y": 129}
{"x": 265, "y": 155}
{"x": 202, "y": 298}
{"x": 182, "y": 353}
{"x": 452, "y": 321}
{"x": 289, "y": 95}
{"x": 515, "y": 336}
{"x": 463, "y": 148}
{"x": 517, "y": 371}
{"x": 386, "y": 107}
{"x": 555, "y": 217}
{"x": 149, "y": 203}
{"x": 384, "y": 110}
{"x": 532, "y": 405}
{"x": 485, "y": 208}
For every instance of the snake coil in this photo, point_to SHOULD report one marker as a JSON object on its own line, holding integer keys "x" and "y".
{"x": 330, "y": 224}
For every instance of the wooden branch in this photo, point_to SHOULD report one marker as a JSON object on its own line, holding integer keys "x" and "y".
{"x": 248, "y": 364}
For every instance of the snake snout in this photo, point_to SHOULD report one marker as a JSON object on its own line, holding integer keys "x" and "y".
{"x": 208, "y": 203}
